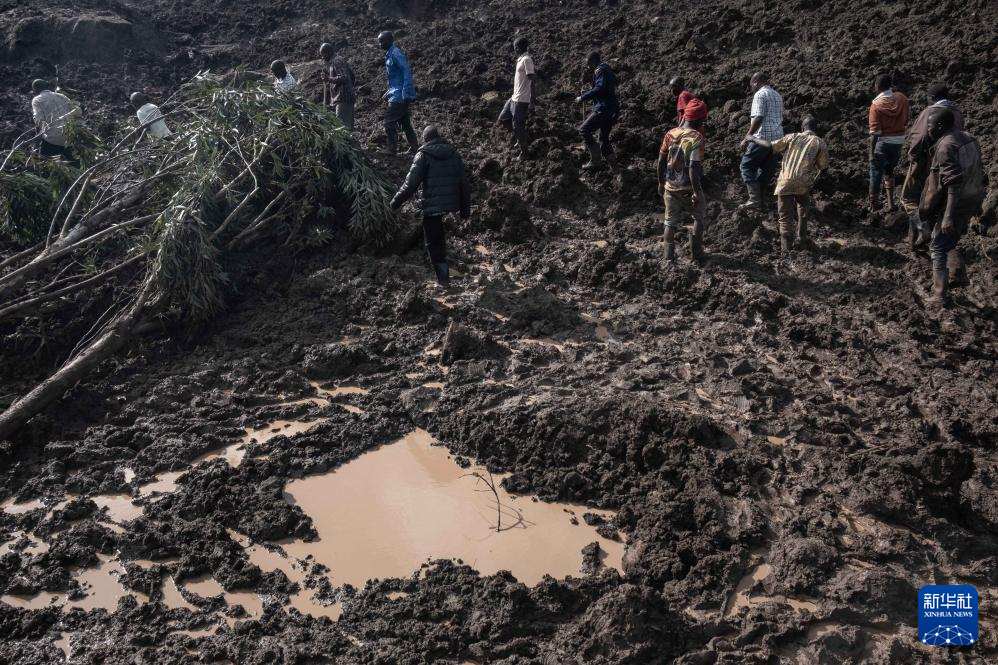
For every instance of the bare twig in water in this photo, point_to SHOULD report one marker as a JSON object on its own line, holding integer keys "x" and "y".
{"x": 490, "y": 483}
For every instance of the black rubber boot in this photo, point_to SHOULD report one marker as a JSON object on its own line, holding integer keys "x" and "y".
{"x": 670, "y": 245}
{"x": 595, "y": 158}
{"x": 940, "y": 287}
{"x": 696, "y": 243}
{"x": 786, "y": 242}
{"x": 956, "y": 268}
{"x": 754, "y": 201}
{"x": 443, "y": 274}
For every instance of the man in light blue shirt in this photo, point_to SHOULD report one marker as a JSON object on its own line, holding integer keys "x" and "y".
{"x": 400, "y": 94}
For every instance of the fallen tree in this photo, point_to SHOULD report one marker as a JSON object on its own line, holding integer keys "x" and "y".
{"x": 154, "y": 220}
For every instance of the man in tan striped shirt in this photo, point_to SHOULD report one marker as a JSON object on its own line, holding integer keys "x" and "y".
{"x": 804, "y": 157}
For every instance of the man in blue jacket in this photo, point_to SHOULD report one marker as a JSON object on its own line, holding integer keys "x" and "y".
{"x": 400, "y": 95}
{"x": 604, "y": 114}
{"x": 438, "y": 169}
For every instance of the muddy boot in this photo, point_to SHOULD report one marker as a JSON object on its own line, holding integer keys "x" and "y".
{"x": 595, "y": 158}
{"x": 786, "y": 242}
{"x": 443, "y": 274}
{"x": 754, "y": 202}
{"x": 871, "y": 215}
{"x": 696, "y": 243}
{"x": 803, "y": 237}
{"x": 956, "y": 267}
{"x": 889, "y": 190}
{"x": 940, "y": 287}
{"x": 670, "y": 245}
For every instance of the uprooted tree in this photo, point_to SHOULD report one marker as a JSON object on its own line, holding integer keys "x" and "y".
{"x": 154, "y": 220}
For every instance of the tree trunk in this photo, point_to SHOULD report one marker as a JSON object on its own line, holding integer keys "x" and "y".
{"x": 52, "y": 388}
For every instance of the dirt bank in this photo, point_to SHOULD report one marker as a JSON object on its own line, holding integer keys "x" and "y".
{"x": 791, "y": 447}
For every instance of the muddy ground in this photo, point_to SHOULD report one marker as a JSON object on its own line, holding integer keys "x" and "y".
{"x": 792, "y": 446}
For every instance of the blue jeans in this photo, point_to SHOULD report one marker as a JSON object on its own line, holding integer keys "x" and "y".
{"x": 759, "y": 165}
{"x": 886, "y": 157}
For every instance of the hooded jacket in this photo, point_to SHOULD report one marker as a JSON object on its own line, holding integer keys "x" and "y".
{"x": 604, "y": 91}
{"x": 440, "y": 171}
{"x": 919, "y": 143}
{"x": 889, "y": 115}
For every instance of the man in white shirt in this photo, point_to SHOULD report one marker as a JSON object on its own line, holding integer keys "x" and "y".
{"x": 150, "y": 117}
{"x": 759, "y": 164}
{"x": 50, "y": 111}
{"x": 283, "y": 80}
{"x": 514, "y": 113}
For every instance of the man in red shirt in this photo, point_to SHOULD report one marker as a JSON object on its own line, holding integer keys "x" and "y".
{"x": 680, "y": 172}
{"x": 889, "y": 115}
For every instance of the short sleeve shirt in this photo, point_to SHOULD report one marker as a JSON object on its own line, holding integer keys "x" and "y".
{"x": 286, "y": 84}
{"x": 768, "y": 104}
{"x": 682, "y": 147}
{"x": 522, "y": 87}
{"x": 50, "y": 111}
{"x": 804, "y": 156}
{"x": 150, "y": 115}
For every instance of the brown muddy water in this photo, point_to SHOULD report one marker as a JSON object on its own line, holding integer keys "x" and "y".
{"x": 382, "y": 515}
{"x": 392, "y": 509}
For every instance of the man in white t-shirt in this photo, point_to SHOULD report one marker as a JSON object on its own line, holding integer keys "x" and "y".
{"x": 50, "y": 111}
{"x": 150, "y": 117}
{"x": 514, "y": 113}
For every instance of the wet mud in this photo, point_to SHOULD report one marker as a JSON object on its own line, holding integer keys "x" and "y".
{"x": 770, "y": 455}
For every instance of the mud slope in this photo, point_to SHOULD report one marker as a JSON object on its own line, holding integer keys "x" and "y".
{"x": 791, "y": 447}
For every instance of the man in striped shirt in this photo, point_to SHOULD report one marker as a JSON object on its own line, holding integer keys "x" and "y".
{"x": 804, "y": 157}
{"x": 759, "y": 164}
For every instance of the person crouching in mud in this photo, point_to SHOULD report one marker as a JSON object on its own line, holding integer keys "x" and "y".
{"x": 438, "y": 168}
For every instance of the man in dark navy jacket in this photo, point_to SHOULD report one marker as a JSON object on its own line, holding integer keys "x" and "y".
{"x": 604, "y": 115}
{"x": 439, "y": 170}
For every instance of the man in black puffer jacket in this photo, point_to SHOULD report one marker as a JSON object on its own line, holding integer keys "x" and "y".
{"x": 440, "y": 171}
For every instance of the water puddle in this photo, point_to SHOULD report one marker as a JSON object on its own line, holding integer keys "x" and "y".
{"x": 544, "y": 342}
{"x": 100, "y": 584}
{"x": 119, "y": 507}
{"x": 172, "y": 597}
{"x": 743, "y": 596}
{"x": 12, "y": 508}
{"x": 35, "y": 544}
{"x": 392, "y": 501}
{"x": 63, "y": 644}
{"x": 339, "y": 391}
{"x": 206, "y": 587}
{"x": 164, "y": 483}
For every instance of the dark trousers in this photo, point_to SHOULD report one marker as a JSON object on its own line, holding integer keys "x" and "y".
{"x": 344, "y": 111}
{"x": 759, "y": 165}
{"x": 52, "y": 150}
{"x": 943, "y": 245}
{"x": 514, "y": 118}
{"x": 397, "y": 116}
{"x": 435, "y": 238}
{"x": 599, "y": 122}
{"x": 886, "y": 157}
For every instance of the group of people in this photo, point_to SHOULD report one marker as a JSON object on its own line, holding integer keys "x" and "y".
{"x": 943, "y": 189}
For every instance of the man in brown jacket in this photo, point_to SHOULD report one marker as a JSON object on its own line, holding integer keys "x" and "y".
{"x": 953, "y": 194}
{"x": 919, "y": 157}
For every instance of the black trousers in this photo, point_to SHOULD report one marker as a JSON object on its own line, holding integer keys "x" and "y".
{"x": 435, "y": 238}
{"x": 602, "y": 123}
{"x": 514, "y": 118}
{"x": 397, "y": 115}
